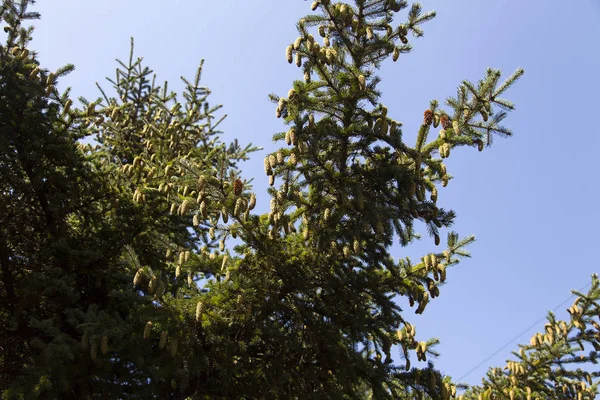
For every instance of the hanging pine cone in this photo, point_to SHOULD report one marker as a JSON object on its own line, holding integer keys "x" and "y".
{"x": 288, "y": 54}
{"x": 184, "y": 207}
{"x": 272, "y": 161}
{"x": 455, "y": 127}
{"x": 139, "y": 277}
{"x": 293, "y": 135}
{"x": 427, "y": 117}
{"x": 396, "y": 54}
{"x": 479, "y": 144}
{"x": 238, "y": 185}
{"x": 201, "y": 181}
{"x": 362, "y": 82}
{"x": 271, "y": 180}
{"x": 288, "y": 140}
{"x": 427, "y": 262}
{"x": 152, "y": 285}
{"x": 297, "y": 43}
{"x": 314, "y": 5}
{"x": 293, "y": 159}
{"x": 346, "y": 251}
{"x": 322, "y": 30}
{"x": 442, "y": 271}
{"x": 434, "y": 194}
{"x": 252, "y": 202}
{"x": 147, "y": 330}
{"x": 445, "y": 122}
{"x": 163, "y": 340}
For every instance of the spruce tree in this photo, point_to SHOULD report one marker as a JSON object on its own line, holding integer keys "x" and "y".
{"x": 80, "y": 234}
{"x": 553, "y": 364}
{"x": 121, "y": 281}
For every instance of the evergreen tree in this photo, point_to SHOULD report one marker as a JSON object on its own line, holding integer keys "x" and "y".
{"x": 118, "y": 281}
{"x": 78, "y": 234}
{"x": 552, "y": 365}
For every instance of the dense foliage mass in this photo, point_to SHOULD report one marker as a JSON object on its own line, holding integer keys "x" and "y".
{"x": 118, "y": 279}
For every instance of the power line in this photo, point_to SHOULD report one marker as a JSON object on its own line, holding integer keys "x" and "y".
{"x": 519, "y": 335}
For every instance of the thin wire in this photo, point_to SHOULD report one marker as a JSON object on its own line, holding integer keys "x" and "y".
{"x": 519, "y": 335}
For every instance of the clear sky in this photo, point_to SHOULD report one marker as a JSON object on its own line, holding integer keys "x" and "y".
{"x": 530, "y": 200}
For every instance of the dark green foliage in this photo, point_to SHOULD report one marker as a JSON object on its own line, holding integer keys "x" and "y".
{"x": 118, "y": 281}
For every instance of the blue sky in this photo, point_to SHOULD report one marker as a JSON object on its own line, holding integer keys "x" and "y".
{"x": 529, "y": 199}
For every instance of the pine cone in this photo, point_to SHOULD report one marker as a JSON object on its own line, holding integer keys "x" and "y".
{"x": 297, "y": 43}
{"x": 427, "y": 117}
{"x": 293, "y": 135}
{"x": 293, "y": 159}
{"x": 163, "y": 340}
{"x": 288, "y": 54}
{"x": 224, "y": 214}
{"x": 434, "y": 194}
{"x": 445, "y": 122}
{"x": 152, "y": 285}
{"x": 139, "y": 277}
{"x": 362, "y": 82}
{"x": 322, "y": 30}
{"x": 455, "y": 127}
{"x": 147, "y": 330}
{"x": 238, "y": 185}
{"x": 252, "y": 202}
